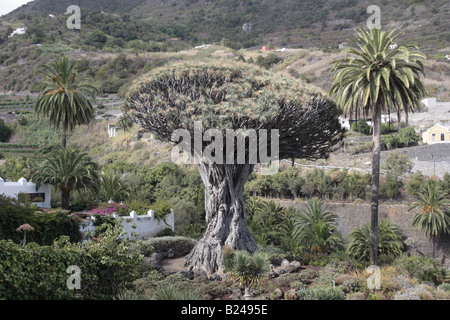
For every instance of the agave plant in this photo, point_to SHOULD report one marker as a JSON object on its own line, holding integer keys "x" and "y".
{"x": 434, "y": 217}
{"x": 248, "y": 270}
{"x": 173, "y": 292}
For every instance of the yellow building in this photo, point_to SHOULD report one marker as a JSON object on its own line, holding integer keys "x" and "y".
{"x": 436, "y": 134}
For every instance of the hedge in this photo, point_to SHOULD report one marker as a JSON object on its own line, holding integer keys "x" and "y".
{"x": 47, "y": 226}
{"x": 35, "y": 272}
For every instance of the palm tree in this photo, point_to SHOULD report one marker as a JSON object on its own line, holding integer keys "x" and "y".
{"x": 62, "y": 96}
{"x": 113, "y": 187}
{"x": 434, "y": 217}
{"x": 68, "y": 170}
{"x": 316, "y": 228}
{"x": 390, "y": 241}
{"x": 378, "y": 79}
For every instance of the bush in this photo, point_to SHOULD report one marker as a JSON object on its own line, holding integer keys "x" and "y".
{"x": 320, "y": 292}
{"x": 47, "y": 226}
{"x": 180, "y": 245}
{"x": 38, "y": 272}
{"x": 161, "y": 209}
{"x": 422, "y": 268}
{"x": 5, "y": 131}
{"x": 444, "y": 287}
{"x": 389, "y": 187}
{"x": 398, "y": 164}
{"x": 268, "y": 61}
{"x": 173, "y": 292}
{"x": 361, "y": 126}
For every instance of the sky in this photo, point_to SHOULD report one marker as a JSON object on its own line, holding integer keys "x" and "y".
{"x": 7, "y": 6}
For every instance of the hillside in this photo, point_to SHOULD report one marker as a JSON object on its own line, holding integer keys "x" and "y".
{"x": 319, "y": 23}
{"x": 129, "y": 38}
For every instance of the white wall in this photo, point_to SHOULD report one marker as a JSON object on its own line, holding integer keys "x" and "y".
{"x": 146, "y": 226}
{"x": 12, "y": 190}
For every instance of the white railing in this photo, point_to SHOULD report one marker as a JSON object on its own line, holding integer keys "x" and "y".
{"x": 145, "y": 226}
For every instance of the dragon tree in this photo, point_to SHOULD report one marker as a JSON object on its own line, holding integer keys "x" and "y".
{"x": 237, "y": 97}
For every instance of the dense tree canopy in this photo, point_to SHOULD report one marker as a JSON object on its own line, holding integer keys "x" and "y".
{"x": 237, "y": 96}
{"x": 232, "y": 96}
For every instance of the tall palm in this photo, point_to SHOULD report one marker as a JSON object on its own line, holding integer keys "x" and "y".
{"x": 68, "y": 170}
{"x": 315, "y": 228}
{"x": 63, "y": 96}
{"x": 379, "y": 79}
{"x": 434, "y": 217}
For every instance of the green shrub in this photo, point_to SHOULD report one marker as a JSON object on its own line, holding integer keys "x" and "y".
{"x": 320, "y": 292}
{"x": 36, "y": 272}
{"x": 161, "y": 209}
{"x": 361, "y": 126}
{"x": 423, "y": 268}
{"x": 180, "y": 245}
{"x": 303, "y": 294}
{"x": 47, "y": 226}
{"x": 398, "y": 164}
{"x": 286, "y": 279}
{"x": 389, "y": 187}
{"x": 444, "y": 286}
{"x": 5, "y": 131}
{"x": 173, "y": 292}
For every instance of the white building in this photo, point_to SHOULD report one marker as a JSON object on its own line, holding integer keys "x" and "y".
{"x": 393, "y": 46}
{"x": 145, "y": 226}
{"x": 112, "y": 130}
{"x": 41, "y": 197}
{"x": 18, "y": 31}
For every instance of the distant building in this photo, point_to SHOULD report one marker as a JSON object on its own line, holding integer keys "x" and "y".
{"x": 41, "y": 197}
{"x": 112, "y": 130}
{"x": 202, "y": 46}
{"x": 393, "y": 46}
{"x": 436, "y": 134}
{"x": 345, "y": 123}
{"x": 18, "y": 31}
{"x": 265, "y": 48}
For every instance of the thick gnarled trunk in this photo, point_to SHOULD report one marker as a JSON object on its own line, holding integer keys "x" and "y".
{"x": 225, "y": 215}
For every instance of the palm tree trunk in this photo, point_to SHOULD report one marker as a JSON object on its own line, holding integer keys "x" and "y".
{"x": 433, "y": 246}
{"x": 63, "y": 136}
{"x": 376, "y": 123}
{"x": 65, "y": 199}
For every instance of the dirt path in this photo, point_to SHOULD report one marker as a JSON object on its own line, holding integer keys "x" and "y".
{"x": 173, "y": 265}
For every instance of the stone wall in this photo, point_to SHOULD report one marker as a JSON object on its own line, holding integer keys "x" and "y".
{"x": 352, "y": 215}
